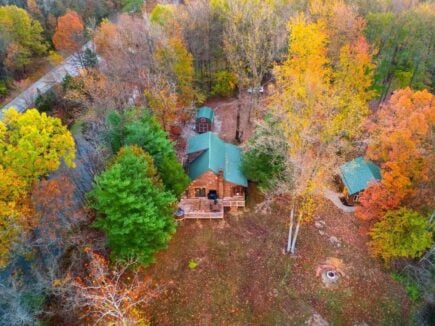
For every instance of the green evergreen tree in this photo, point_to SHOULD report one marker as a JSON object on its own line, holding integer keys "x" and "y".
{"x": 135, "y": 211}
{"x": 138, "y": 127}
{"x": 90, "y": 59}
{"x": 45, "y": 101}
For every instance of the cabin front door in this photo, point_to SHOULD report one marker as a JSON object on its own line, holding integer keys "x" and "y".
{"x": 212, "y": 194}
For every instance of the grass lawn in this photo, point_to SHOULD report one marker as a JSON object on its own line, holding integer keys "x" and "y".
{"x": 243, "y": 277}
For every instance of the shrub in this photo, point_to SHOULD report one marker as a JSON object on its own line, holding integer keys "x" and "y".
{"x": 402, "y": 233}
{"x": 192, "y": 264}
{"x": 412, "y": 288}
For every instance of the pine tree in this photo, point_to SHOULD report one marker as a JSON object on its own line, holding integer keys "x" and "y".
{"x": 139, "y": 127}
{"x": 135, "y": 209}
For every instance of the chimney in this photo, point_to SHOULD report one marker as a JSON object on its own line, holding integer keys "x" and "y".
{"x": 220, "y": 185}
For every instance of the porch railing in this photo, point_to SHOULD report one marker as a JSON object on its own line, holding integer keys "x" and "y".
{"x": 207, "y": 208}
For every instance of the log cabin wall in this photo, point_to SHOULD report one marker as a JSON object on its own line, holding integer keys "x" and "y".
{"x": 211, "y": 181}
{"x": 228, "y": 189}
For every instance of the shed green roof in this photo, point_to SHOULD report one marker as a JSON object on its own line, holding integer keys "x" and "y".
{"x": 205, "y": 112}
{"x": 216, "y": 156}
{"x": 358, "y": 173}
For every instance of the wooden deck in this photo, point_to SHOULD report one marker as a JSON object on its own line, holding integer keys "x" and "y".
{"x": 203, "y": 208}
{"x": 238, "y": 201}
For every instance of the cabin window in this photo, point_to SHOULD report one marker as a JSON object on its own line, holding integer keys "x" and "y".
{"x": 237, "y": 191}
{"x": 199, "y": 192}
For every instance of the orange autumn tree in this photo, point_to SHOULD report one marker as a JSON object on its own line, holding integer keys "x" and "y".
{"x": 69, "y": 32}
{"x": 53, "y": 203}
{"x": 401, "y": 140}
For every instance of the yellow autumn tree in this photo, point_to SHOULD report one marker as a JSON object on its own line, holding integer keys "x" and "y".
{"x": 321, "y": 106}
{"x": 32, "y": 145}
{"x": 175, "y": 61}
{"x": 13, "y": 205}
{"x": 304, "y": 86}
{"x": 353, "y": 77}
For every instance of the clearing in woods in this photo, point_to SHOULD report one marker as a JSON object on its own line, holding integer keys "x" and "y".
{"x": 243, "y": 277}
{"x": 234, "y": 271}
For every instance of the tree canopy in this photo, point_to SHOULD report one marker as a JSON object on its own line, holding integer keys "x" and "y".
{"x": 265, "y": 158}
{"x": 402, "y": 233}
{"x": 21, "y": 38}
{"x": 404, "y": 42}
{"x": 34, "y": 144}
{"x": 401, "y": 140}
{"x": 137, "y": 126}
{"x": 321, "y": 104}
{"x": 69, "y": 32}
{"x": 31, "y": 146}
{"x": 136, "y": 210}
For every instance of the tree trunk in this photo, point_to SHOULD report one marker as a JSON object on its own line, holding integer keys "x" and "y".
{"x": 290, "y": 231}
{"x": 390, "y": 75}
{"x": 293, "y": 247}
{"x": 254, "y": 99}
{"x": 238, "y": 133}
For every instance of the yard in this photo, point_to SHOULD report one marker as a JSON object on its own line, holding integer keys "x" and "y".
{"x": 243, "y": 277}
{"x": 235, "y": 272}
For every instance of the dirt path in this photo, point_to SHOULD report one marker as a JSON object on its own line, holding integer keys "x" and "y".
{"x": 226, "y": 118}
{"x": 335, "y": 199}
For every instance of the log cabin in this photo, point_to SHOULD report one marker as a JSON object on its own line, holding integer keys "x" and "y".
{"x": 218, "y": 183}
{"x": 356, "y": 176}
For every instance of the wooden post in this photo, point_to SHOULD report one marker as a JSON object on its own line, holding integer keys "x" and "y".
{"x": 290, "y": 230}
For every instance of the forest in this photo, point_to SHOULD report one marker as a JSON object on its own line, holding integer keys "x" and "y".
{"x": 94, "y": 166}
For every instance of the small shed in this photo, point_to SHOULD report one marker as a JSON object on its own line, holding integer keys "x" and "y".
{"x": 204, "y": 119}
{"x": 356, "y": 176}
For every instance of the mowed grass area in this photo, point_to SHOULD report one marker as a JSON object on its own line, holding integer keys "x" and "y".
{"x": 243, "y": 277}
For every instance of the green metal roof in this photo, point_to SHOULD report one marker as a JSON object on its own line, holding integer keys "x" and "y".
{"x": 205, "y": 112}
{"x": 216, "y": 156}
{"x": 358, "y": 173}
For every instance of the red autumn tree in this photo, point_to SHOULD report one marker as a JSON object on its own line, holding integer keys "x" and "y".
{"x": 69, "y": 32}
{"x": 401, "y": 139}
{"x": 375, "y": 201}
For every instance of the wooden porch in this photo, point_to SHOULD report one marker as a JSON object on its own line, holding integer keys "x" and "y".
{"x": 235, "y": 201}
{"x": 204, "y": 208}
